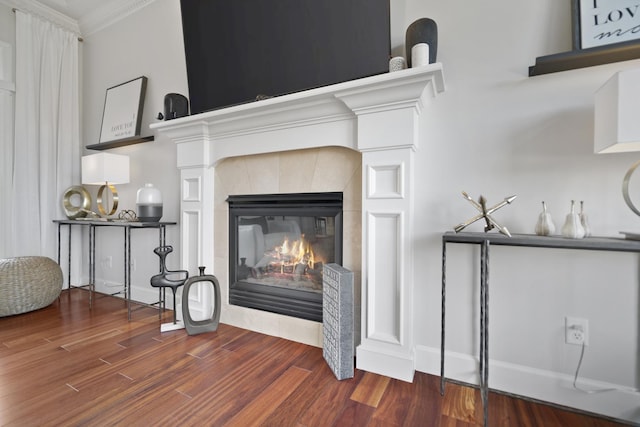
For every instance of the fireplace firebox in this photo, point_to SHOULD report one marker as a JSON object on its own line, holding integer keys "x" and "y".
{"x": 278, "y": 244}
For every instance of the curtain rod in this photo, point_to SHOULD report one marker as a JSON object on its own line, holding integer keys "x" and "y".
{"x": 14, "y": 11}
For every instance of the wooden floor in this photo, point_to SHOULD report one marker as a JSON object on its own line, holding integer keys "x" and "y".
{"x": 65, "y": 365}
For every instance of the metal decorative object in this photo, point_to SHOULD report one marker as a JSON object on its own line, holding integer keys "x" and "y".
{"x": 485, "y": 213}
{"x": 625, "y": 188}
{"x": 127, "y": 215}
{"x": 71, "y": 210}
{"x": 103, "y": 204}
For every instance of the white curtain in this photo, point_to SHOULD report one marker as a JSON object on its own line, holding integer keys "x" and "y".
{"x": 47, "y": 132}
{"x": 6, "y": 148}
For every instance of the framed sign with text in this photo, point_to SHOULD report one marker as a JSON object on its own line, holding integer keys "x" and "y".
{"x": 122, "y": 116}
{"x": 604, "y": 22}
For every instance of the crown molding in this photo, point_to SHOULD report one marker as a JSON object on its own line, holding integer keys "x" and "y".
{"x": 109, "y": 14}
{"x": 38, "y": 9}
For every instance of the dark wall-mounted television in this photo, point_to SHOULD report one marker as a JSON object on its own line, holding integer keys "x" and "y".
{"x": 238, "y": 50}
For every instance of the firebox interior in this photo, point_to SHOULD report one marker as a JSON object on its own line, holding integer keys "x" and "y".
{"x": 278, "y": 245}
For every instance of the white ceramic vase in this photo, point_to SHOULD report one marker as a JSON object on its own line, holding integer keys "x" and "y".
{"x": 545, "y": 225}
{"x": 584, "y": 220}
{"x": 149, "y": 203}
{"x": 572, "y": 227}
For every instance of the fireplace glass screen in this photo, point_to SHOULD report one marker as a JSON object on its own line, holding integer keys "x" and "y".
{"x": 279, "y": 244}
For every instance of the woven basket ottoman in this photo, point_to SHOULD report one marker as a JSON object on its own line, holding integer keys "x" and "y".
{"x": 28, "y": 283}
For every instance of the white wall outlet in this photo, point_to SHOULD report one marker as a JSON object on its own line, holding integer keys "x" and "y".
{"x": 576, "y": 331}
{"x": 107, "y": 262}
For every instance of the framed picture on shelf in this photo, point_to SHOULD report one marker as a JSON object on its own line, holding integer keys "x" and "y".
{"x": 122, "y": 117}
{"x": 604, "y": 22}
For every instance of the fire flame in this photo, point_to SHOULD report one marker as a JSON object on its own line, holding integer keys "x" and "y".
{"x": 296, "y": 252}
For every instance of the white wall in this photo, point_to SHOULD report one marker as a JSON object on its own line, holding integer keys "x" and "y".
{"x": 146, "y": 43}
{"x": 7, "y": 25}
{"x": 496, "y": 132}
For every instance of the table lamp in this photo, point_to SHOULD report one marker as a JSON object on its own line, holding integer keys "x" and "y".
{"x": 617, "y": 121}
{"x": 105, "y": 169}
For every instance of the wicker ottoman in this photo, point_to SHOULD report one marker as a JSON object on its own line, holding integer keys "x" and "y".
{"x": 28, "y": 283}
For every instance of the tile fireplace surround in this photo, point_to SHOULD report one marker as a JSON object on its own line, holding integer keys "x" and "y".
{"x": 378, "y": 119}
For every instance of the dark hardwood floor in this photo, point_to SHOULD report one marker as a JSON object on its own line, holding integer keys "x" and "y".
{"x": 66, "y": 365}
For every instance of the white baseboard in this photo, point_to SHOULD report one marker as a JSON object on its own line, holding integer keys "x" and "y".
{"x": 146, "y": 295}
{"x": 622, "y": 403}
{"x": 383, "y": 362}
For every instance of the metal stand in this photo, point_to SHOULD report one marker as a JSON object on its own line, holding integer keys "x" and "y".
{"x": 127, "y": 226}
{"x": 91, "y": 284}
{"x": 485, "y": 240}
{"x": 484, "y": 325}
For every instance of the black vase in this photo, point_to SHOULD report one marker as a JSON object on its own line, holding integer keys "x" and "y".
{"x": 243, "y": 270}
{"x": 175, "y": 106}
{"x": 424, "y": 30}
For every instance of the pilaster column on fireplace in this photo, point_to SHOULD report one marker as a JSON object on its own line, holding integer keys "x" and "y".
{"x": 387, "y": 264}
{"x": 387, "y": 125}
{"x": 197, "y": 240}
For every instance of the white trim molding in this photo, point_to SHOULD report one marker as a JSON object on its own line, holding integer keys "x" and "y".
{"x": 42, "y": 11}
{"x": 109, "y": 14}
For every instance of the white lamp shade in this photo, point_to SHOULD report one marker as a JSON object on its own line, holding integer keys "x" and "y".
{"x": 617, "y": 114}
{"x": 98, "y": 169}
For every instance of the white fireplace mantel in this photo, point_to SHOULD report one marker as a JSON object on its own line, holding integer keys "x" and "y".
{"x": 377, "y": 116}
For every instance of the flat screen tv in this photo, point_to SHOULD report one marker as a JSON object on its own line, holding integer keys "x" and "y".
{"x": 241, "y": 50}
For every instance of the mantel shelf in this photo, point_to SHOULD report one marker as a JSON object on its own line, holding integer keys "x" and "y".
{"x": 585, "y": 58}
{"x": 120, "y": 143}
{"x": 217, "y": 133}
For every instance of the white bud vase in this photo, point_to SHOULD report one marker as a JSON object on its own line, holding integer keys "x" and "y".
{"x": 545, "y": 225}
{"x": 584, "y": 221}
{"x": 149, "y": 203}
{"x": 572, "y": 227}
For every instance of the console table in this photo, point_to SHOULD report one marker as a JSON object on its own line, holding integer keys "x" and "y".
{"x": 127, "y": 226}
{"x": 485, "y": 240}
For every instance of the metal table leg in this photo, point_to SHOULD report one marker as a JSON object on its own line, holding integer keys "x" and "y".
{"x": 58, "y": 250}
{"x": 127, "y": 269}
{"x": 163, "y": 290}
{"x": 484, "y": 329}
{"x": 162, "y": 233}
{"x": 69, "y": 252}
{"x": 484, "y": 326}
{"x": 442, "y": 320}
{"x": 69, "y": 257}
{"x": 92, "y": 263}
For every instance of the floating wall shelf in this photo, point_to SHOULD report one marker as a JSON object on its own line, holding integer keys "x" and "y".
{"x": 585, "y": 58}
{"x": 120, "y": 143}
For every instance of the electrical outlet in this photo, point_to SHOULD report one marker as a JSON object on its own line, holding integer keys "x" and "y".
{"x": 576, "y": 331}
{"x": 108, "y": 262}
